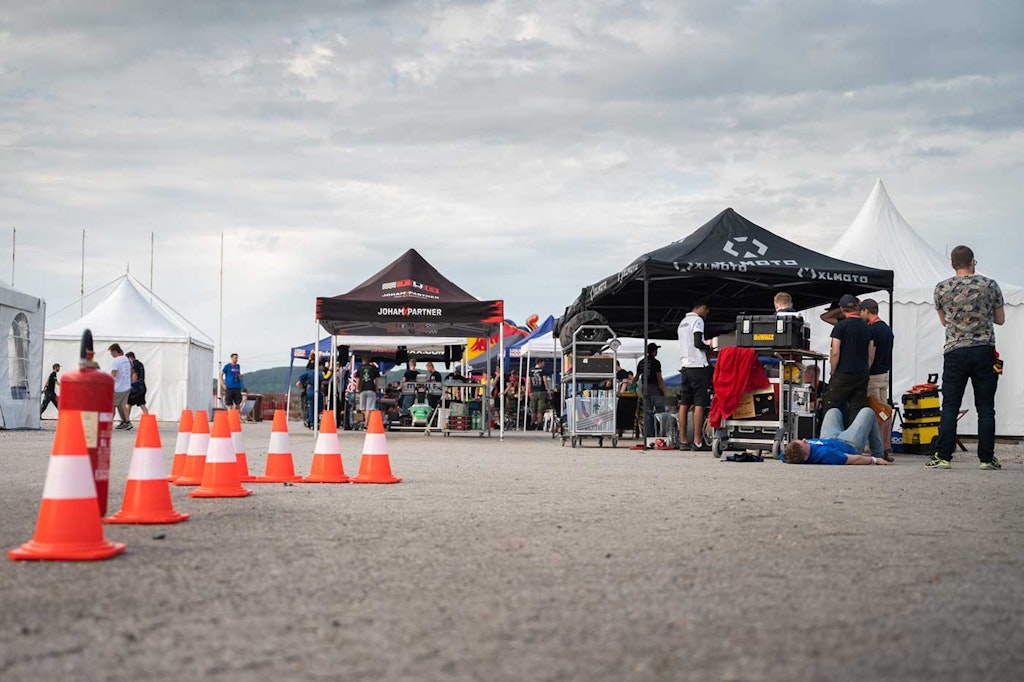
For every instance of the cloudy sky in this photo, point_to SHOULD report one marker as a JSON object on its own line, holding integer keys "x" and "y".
{"x": 525, "y": 148}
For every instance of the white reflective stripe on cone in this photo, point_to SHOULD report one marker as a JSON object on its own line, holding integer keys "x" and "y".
{"x": 147, "y": 465}
{"x": 220, "y": 451}
{"x": 237, "y": 442}
{"x": 279, "y": 444}
{"x": 69, "y": 477}
{"x": 198, "y": 444}
{"x": 375, "y": 444}
{"x": 181, "y": 443}
{"x": 327, "y": 444}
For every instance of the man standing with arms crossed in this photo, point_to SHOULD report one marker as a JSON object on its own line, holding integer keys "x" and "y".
{"x": 695, "y": 375}
{"x": 968, "y": 305}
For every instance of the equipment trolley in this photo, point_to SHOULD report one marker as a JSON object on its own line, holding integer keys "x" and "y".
{"x": 588, "y": 386}
{"x": 793, "y": 413}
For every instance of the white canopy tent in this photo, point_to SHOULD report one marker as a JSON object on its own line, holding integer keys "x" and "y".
{"x": 178, "y": 357}
{"x": 22, "y": 319}
{"x": 880, "y": 237}
{"x": 548, "y": 346}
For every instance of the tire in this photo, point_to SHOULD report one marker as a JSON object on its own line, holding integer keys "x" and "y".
{"x": 776, "y": 449}
{"x": 615, "y": 442}
{"x": 587, "y": 317}
{"x": 716, "y": 447}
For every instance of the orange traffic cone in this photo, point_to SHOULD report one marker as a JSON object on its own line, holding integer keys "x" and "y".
{"x": 280, "y": 467}
{"x": 375, "y": 467}
{"x": 327, "y": 466}
{"x": 69, "y": 525}
{"x": 195, "y": 457}
{"x": 181, "y": 445}
{"x": 235, "y": 423}
{"x": 220, "y": 475}
{"x": 147, "y": 497}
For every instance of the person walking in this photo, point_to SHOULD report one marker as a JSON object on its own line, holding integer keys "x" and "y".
{"x": 695, "y": 375}
{"x": 231, "y": 381}
{"x": 137, "y": 392}
{"x": 968, "y": 305}
{"x": 50, "y": 390}
{"x": 121, "y": 370}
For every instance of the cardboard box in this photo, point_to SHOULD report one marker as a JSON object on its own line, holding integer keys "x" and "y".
{"x": 760, "y": 404}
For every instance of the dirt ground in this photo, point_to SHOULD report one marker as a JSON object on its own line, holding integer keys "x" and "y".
{"x": 521, "y": 559}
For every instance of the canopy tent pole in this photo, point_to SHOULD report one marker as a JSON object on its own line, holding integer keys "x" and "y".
{"x": 520, "y": 392}
{"x": 648, "y": 410}
{"x": 334, "y": 374}
{"x": 501, "y": 383}
{"x": 315, "y": 381}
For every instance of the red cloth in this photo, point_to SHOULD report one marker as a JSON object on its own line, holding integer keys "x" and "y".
{"x": 737, "y": 371}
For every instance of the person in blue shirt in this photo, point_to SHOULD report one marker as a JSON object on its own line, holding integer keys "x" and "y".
{"x": 231, "y": 381}
{"x": 309, "y": 381}
{"x": 838, "y": 445}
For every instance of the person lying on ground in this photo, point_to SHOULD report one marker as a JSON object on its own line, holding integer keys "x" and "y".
{"x": 839, "y": 446}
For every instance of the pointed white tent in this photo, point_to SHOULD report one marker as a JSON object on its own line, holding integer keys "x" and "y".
{"x": 178, "y": 357}
{"x": 22, "y": 318}
{"x": 879, "y": 236}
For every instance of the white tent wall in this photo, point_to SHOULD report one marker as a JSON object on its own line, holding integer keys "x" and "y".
{"x": 178, "y": 357}
{"x": 179, "y": 374}
{"x": 21, "y": 365}
{"x": 880, "y": 237}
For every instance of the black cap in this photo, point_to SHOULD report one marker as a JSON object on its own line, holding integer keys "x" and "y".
{"x": 652, "y": 347}
{"x": 848, "y": 300}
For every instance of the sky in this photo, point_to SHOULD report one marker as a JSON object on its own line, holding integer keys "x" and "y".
{"x": 526, "y": 149}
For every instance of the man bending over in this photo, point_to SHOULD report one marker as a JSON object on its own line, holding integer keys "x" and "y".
{"x": 838, "y": 446}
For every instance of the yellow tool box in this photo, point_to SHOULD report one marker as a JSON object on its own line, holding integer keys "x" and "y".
{"x": 920, "y": 437}
{"x": 918, "y": 407}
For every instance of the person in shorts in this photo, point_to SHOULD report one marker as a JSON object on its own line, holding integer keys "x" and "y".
{"x": 367, "y": 374}
{"x": 695, "y": 375}
{"x": 231, "y": 381}
{"x": 540, "y": 388}
{"x": 137, "y": 392}
{"x": 121, "y": 370}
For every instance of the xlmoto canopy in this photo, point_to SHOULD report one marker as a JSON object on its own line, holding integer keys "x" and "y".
{"x": 732, "y": 264}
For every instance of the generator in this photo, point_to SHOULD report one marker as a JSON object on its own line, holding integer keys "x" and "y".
{"x": 770, "y": 331}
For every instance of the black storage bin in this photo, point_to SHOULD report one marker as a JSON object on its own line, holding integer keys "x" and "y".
{"x": 769, "y": 331}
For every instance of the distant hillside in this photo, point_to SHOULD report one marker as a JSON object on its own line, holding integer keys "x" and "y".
{"x": 273, "y": 380}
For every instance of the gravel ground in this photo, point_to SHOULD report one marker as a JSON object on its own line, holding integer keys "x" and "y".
{"x": 523, "y": 560}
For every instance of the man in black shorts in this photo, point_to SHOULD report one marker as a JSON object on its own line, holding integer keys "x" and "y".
{"x": 695, "y": 375}
{"x": 137, "y": 393}
{"x": 231, "y": 380}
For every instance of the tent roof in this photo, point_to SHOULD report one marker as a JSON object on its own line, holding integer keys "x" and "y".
{"x": 14, "y": 298}
{"x": 881, "y": 237}
{"x": 409, "y": 297}
{"x": 131, "y": 312}
{"x": 736, "y": 266}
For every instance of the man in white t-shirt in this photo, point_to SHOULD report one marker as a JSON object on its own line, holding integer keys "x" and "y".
{"x": 695, "y": 375}
{"x": 121, "y": 369}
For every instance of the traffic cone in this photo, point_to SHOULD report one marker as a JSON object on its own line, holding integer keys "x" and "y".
{"x": 235, "y": 423}
{"x": 181, "y": 445}
{"x": 195, "y": 457}
{"x": 280, "y": 467}
{"x": 69, "y": 527}
{"x": 147, "y": 495}
{"x": 375, "y": 467}
{"x": 327, "y": 466}
{"x": 220, "y": 474}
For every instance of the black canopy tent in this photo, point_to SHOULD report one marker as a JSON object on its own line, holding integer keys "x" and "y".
{"x": 731, "y": 263}
{"x": 409, "y": 298}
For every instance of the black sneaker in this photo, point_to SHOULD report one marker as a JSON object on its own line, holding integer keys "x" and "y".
{"x": 700, "y": 447}
{"x": 128, "y": 426}
{"x": 121, "y": 426}
{"x": 684, "y": 446}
